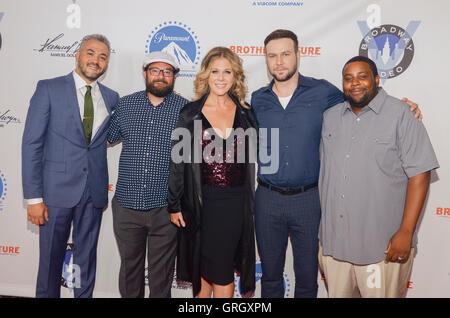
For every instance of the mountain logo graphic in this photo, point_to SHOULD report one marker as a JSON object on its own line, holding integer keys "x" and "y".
{"x": 180, "y": 55}
{"x": 389, "y": 46}
{"x": 178, "y": 40}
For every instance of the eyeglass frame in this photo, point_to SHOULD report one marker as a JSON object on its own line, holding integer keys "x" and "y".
{"x": 172, "y": 71}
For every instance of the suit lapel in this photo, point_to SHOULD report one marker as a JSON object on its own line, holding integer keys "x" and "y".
{"x": 105, "y": 97}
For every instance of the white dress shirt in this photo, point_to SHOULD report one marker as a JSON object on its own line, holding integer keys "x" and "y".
{"x": 100, "y": 111}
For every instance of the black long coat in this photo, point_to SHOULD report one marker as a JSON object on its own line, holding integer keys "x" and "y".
{"x": 185, "y": 195}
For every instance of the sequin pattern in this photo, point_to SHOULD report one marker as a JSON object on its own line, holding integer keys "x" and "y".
{"x": 217, "y": 171}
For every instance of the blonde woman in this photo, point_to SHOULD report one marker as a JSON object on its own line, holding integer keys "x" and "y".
{"x": 212, "y": 201}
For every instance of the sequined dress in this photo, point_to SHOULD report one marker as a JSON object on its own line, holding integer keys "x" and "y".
{"x": 223, "y": 177}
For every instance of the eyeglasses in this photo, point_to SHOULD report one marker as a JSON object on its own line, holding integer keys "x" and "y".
{"x": 154, "y": 71}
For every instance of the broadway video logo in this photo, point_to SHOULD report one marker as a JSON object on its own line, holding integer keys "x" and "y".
{"x": 389, "y": 46}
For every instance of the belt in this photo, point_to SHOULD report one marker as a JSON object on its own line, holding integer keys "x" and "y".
{"x": 287, "y": 191}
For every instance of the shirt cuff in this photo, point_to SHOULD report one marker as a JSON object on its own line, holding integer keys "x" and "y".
{"x": 34, "y": 201}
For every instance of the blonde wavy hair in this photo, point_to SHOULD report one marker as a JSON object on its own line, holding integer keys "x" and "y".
{"x": 239, "y": 89}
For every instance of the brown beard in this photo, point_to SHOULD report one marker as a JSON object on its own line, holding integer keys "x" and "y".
{"x": 288, "y": 76}
{"x": 159, "y": 91}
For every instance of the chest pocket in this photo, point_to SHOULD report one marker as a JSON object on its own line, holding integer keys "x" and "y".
{"x": 384, "y": 151}
{"x": 329, "y": 143}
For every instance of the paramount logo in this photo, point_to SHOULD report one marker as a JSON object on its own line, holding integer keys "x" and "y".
{"x": 179, "y": 40}
{"x": 160, "y": 36}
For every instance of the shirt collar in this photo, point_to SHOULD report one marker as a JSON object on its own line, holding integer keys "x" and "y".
{"x": 375, "y": 104}
{"x": 302, "y": 81}
{"x": 80, "y": 82}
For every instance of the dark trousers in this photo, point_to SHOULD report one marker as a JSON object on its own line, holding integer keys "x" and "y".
{"x": 135, "y": 232}
{"x": 53, "y": 238}
{"x": 278, "y": 217}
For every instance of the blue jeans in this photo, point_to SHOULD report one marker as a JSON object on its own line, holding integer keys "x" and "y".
{"x": 278, "y": 217}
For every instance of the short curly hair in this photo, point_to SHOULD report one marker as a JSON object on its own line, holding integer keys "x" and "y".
{"x": 239, "y": 88}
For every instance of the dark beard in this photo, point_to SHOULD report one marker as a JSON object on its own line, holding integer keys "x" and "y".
{"x": 288, "y": 76}
{"x": 363, "y": 102}
{"x": 89, "y": 77}
{"x": 159, "y": 91}
{"x": 367, "y": 98}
